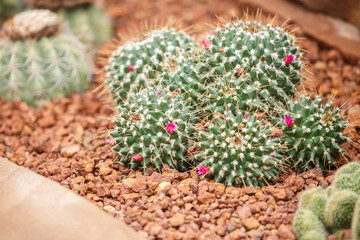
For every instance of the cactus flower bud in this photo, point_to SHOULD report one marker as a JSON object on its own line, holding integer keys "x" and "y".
{"x": 289, "y": 121}
{"x": 170, "y": 127}
{"x": 137, "y": 158}
{"x": 202, "y": 170}
{"x": 206, "y": 44}
{"x": 131, "y": 68}
{"x": 288, "y": 59}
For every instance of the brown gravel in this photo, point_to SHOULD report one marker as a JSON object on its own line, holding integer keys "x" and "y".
{"x": 64, "y": 141}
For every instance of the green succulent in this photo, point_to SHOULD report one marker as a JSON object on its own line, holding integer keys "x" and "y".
{"x": 154, "y": 127}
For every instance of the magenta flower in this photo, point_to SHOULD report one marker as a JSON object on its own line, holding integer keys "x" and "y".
{"x": 246, "y": 116}
{"x": 131, "y": 68}
{"x": 202, "y": 170}
{"x": 159, "y": 94}
{"x": 111, "y": 142}
{"x": 206, "y": 44}
{"x": 289, "y": 121}
{"x": 137, "y": 158}
{"x": 170, "y": 127}
{"x": 288, "y": 59}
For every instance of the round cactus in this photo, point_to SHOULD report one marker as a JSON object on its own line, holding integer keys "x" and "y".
{"x": 90, "y": 24}
{"x": 347, "y": 182}
{"x": 312, "y": 132}
{"x": 339, "y": 209}
{"x": 264, "y": 54}
{"x": 137, "y": 63}
{"x": 38, "y": 61}
{"x": 349, "y": 168}
{"x": 355, "y": 223}
{"x": 238, "y": 150}
{"x": 315, "y": 200}
{"x": 154, "y": 127}
{"x": 307, "y": 224}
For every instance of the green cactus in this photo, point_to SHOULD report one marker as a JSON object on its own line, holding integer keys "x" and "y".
{"x": 348, "y": 182}
{"x": 91, "y": 24}
{"x": 355, "y": 223}
{"x": 312, "y": 132}
{"x": 339, "y": 209}
{"x": 315, "y": 200}
{"x": 154, "y": 127}
{"x": 349, "y": 168}
{"x": 307, "y": 224}
{"x": 239, "y": 150}
{"x": 37, "y": 70}
{"x": 265, "y": 55}
{"x": 137, "y": 63}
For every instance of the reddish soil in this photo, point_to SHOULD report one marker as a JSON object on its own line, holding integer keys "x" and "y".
{"x": 64, "y": 141}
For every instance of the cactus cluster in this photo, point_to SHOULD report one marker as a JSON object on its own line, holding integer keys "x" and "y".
{"x": 245, "y": 68}
{"x": 332, "y": 210}
{"x": 39, "y": 60}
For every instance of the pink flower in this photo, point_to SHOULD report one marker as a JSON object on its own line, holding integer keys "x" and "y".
{"x": 137, "y": 158}
{"x": 288, "y": 59}
{"x": 202, "y": 170}
{"x": 111, "y": 142}
{"x": 206, "y": 44}
{"x": 289, "y": 121}
{"x": 170, "y": 127}
{"x": 131, "y": 68}
{"x": 246, "y": 116}
{"x": 159, "y": 94}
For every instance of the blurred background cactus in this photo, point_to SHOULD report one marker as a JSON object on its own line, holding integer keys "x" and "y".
{"x": 39, "y": 60}
{"x": 332, "y": 210}
{"x": 88, "y": 21}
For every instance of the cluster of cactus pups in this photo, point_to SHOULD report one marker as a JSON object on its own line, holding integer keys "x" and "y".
{"x": 330, "y": 211}
{"x": 230, "y": 101}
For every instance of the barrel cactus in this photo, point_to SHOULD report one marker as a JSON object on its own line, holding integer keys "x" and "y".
{"x": 238, "y": 150}
{"x": 136, "y": 64}
{"x": 312, "y": 132}
{"x": 154, "y": 127}
{"x": 39, "y": 61}
{"x": 266, "y": 55}
{"x": 308, "y": 226}
{"x": 336, "y": 210}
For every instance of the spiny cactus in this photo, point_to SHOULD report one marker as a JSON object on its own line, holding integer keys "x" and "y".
{"x": 347, "y": 169}
{"x": 38, "y": 61}
{"x": 239, "y": 150}
{"x": 90, "y": 24}
{"x": 315, "y": 200}
{"x": 312, "y": 132}
{"x": 350, "y": 181}
{"x": 337, "y": 209}
{"x": 136, "y": 63}
{"x": 308, "y": 226}
{"x": 154, "y": 127}
{"x": 267, "y": 56}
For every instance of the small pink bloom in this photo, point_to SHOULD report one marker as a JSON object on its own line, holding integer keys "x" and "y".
{"x": 111, "y": 142}
{"x": 137, "y": 158}
{"x": 288, "y": 59}
{"x": 206, "y": 44}
{"x": 289, "y": 121}
{"x": 131, "y": 68}
{"x": 159, "y": 94}
{"x": 177, "y": 90}
{"x": 202, "y": 170}
{"x": 246, "y": 116}
{"x": 170, "y": 127}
